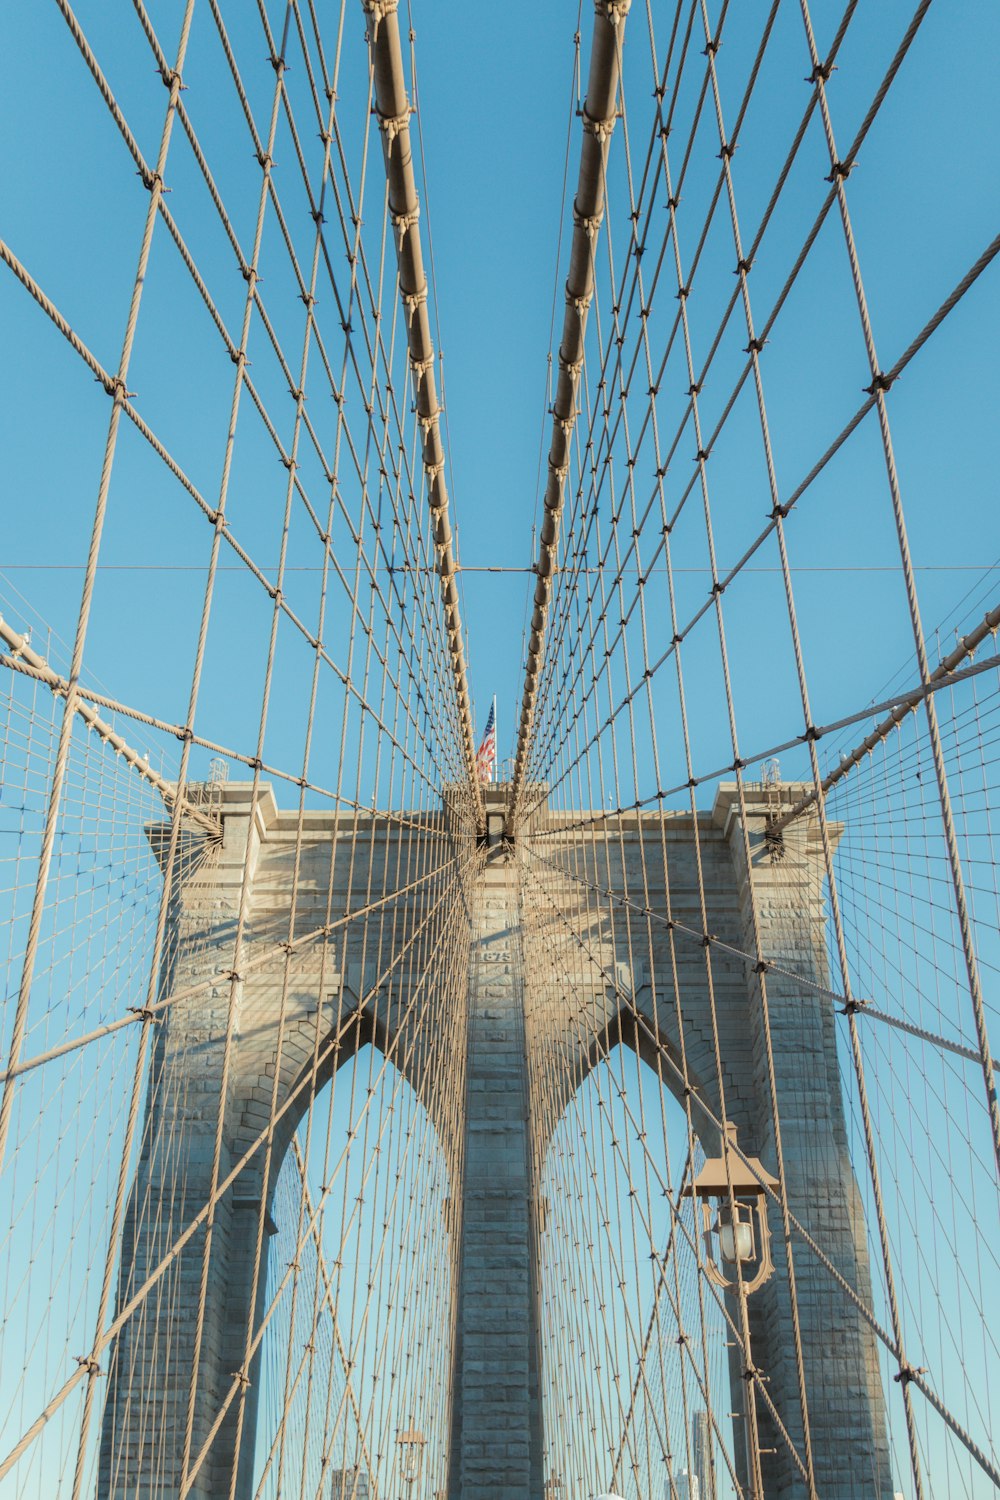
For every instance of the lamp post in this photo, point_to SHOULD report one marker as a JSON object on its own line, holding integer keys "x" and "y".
{"x": 732, "y": 1192}
{"x": 411, "y": 1444}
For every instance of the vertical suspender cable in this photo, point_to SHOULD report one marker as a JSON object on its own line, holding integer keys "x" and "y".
{"x": 599, "y": 114}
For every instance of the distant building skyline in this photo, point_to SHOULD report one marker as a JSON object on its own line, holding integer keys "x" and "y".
{"x": 350, "y": 1484}
{"x": 701, "y": 1456}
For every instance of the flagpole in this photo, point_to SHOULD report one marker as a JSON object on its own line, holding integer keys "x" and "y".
{"x": 496, "y": 742}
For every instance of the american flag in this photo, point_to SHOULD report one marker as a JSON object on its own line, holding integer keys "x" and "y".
{"x": 486, "y": 757}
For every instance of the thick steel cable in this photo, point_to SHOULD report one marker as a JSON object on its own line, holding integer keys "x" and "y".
{"x": 839, "y": 171}
{"x": 753, "y": 1447}
{"x": 920, "y": 693}
{"x": 21, "y": 652}
{"x": 217, "y": 521}
{"x": 739, "y": 1334}
{"x": 914, "y": 1376}
{"x": 119, "y": 388}
{"x": 145, "y": 174}
{"x": 917, "y": 343}
{"x": 683, "y": 630}
{"x": 392, "y": 107}
{"x": 138, "y": 1297}
{"x": 599, "y": 115}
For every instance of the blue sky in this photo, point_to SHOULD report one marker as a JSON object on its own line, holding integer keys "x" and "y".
{"x": 495, "y": 97}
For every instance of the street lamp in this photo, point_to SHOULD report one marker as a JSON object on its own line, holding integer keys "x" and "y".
{"x": 739, "y": 1234}
{"x": 411, "y": 1458}
{"x": 734, "y": 1189}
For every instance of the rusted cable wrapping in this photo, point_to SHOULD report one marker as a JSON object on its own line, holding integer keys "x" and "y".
{"x": 599, "y": 114}
{"x": 392, "y": 108}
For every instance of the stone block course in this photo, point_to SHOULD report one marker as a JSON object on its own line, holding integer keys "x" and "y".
{"x": 497, "y": 1424}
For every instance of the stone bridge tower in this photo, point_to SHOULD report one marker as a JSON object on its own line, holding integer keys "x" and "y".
{"x": 332, "y": 1007}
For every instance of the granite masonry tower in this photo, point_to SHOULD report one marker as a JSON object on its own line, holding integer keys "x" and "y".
{"x": 497, "y": 1427}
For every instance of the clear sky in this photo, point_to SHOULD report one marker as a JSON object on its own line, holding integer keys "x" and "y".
{"x": 496, "y": 96}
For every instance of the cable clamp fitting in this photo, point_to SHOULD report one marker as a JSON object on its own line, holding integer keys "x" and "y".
{"x": 405, "y": 221}
{"x": 602, "y": 130}
{"x": 755, "y": 346}
{"x": 89, "y": 1363}
{"x": 142, "y": 1012}
{"x": 841, "y": 171}
{"x": 612, "y": 11}
{"x": 851, "y": 1007}
{"x": 908, "y": 1373}
{"x": 880, "y": 382}
{"x": 821, "y": 72}
{"x": 393, "y": 125}
{"x": 115, "y": 387}
{"x": 377, "y": 10}
{"x": 589, "y": 222}
{"x": 151, "y": 180}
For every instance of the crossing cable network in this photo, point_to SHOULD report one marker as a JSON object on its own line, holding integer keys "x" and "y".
{"x": 344, "y": 1167}
{"x": 590, "y": 629}
{"x": 351, "y": 489}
